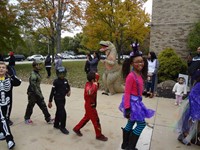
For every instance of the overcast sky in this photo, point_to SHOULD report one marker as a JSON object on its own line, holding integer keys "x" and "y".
{"x": 148, "y": 6}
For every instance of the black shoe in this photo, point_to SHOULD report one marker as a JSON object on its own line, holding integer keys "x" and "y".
{"x": 10, "y": 123}
{"x": 56, "y": 127}
{"x": 64, "y": 130}
{"x": 126, "y": 135}
{"x": 105, "y": 93}
{"x": 144, "y": 93}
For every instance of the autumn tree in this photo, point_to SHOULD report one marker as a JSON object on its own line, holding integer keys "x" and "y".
{"x": 9, "y": 27}
{"x": 53, "y": 15}
{"x": 120, "y": 21}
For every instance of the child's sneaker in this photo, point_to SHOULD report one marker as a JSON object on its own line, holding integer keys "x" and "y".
{"x": 2, "y": 137}
{"x": 175, "y": 104}
{"x": 64, "y": 130}
{"x": 78, "y": 132}
{"x": 28, "y": 121}
{"x": 11, "y": 144}
{"x": 51, "y": 121}
{"x": 102, "y": 138}
{"x": 56, "y": 127}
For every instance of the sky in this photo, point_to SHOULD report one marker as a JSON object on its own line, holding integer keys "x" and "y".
{"x": 147, "y": 7}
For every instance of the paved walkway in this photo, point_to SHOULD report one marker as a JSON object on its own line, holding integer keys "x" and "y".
{"x": 42, "y": 136}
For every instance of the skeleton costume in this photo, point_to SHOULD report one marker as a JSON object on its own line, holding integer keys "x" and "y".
{"x": 6, "y": 86}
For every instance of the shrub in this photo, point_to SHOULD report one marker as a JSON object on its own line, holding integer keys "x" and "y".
{"x": 194, "y": 38}
{"x": 170, "y": 65}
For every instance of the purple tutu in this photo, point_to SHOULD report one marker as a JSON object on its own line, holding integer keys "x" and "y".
{"x": 138, "y": 110}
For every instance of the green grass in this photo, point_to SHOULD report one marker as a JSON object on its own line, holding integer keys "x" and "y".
{"x": 75, "y": 73}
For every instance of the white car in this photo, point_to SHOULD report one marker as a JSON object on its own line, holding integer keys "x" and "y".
{"x": 35, "y": 57}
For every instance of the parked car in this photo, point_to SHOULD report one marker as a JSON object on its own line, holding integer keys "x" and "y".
{"x": 18, "y": 57}
{"x": 80, "y": 57}
{"x": 67, "y": 56}
{"x": 35, "y": 57}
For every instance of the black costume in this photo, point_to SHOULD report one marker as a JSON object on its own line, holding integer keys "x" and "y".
{"x": 59, "y": 90}
{"x": 48, "y": 65}
{"x": 11, "y": 63}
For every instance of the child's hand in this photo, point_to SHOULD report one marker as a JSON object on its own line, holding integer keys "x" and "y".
{"x": 49, "y": 104}
{"x": 69, "y": 93}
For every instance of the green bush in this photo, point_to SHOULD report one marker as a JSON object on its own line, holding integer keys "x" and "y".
{"x": 194, "y": 38}
{"x": 170, "y": 65}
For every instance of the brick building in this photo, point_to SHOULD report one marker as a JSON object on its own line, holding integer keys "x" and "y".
{"x": 172, "y": 20}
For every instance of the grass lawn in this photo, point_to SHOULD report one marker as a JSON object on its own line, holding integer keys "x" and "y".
{"x": 75, "y": 73}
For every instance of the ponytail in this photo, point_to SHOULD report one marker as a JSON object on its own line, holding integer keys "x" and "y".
{"x": 145, "y": 69}
{"x": 126, "y": 67}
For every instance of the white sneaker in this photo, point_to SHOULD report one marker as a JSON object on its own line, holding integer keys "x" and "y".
{"x": 51, "y": 121}
{"x": 175, "y": 104}
{"x": 2, "y": 137}
{"x": 11, "y": 144}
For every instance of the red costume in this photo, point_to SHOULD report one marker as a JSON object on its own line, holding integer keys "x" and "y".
{"x": 90, "y": 96}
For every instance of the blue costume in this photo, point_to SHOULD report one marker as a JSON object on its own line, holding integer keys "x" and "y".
{"x": 188, "y": 122}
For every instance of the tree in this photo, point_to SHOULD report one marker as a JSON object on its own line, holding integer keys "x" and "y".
{"x": 9, "y": 27}
{"x": 52, "y": 15}
{"x": 66, "y": 43}
{"x": 119, "y": 21}
{"x": 194, "y": 38}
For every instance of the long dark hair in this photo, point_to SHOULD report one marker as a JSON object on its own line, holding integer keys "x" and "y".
{"x": 153, "y": 56}
{"x": 127, "y": 63}
{"x": 97, "y": 55}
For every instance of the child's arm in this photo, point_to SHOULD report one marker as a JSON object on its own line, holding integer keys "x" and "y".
{"x": 15, "y": 81}
{"x": 51, "y": 95}
{"x": 68, "y": 89}
{"x": 50, "y": 104}
{"x": 69, "y": 93}
{"x": 174, "y": 88}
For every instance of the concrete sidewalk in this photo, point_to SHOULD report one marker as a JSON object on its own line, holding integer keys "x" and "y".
{"x": 42, "y": 136}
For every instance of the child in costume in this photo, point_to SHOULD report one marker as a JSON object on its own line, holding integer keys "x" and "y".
{"x": 35, "y": 95}
{"x": 90, "y": 96}
{"x": 6, "y": 86}
{"x": 187, "y": 125}
{"x": 180, "y": 90}
{"x": 60, "y": 89}
{"x": 132, "y": 106}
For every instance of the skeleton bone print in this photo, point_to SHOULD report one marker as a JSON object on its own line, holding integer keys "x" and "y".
{"x": 5, "y": 86}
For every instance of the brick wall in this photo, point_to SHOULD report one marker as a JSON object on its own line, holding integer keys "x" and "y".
{"x": 172, "y": 20}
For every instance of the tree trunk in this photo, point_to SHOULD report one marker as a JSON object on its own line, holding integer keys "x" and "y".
{"x": 52, "y": 48}
{"x": 58, "y": 26}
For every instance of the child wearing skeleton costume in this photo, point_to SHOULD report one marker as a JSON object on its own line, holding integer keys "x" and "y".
{"x": 6, "y": 85}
